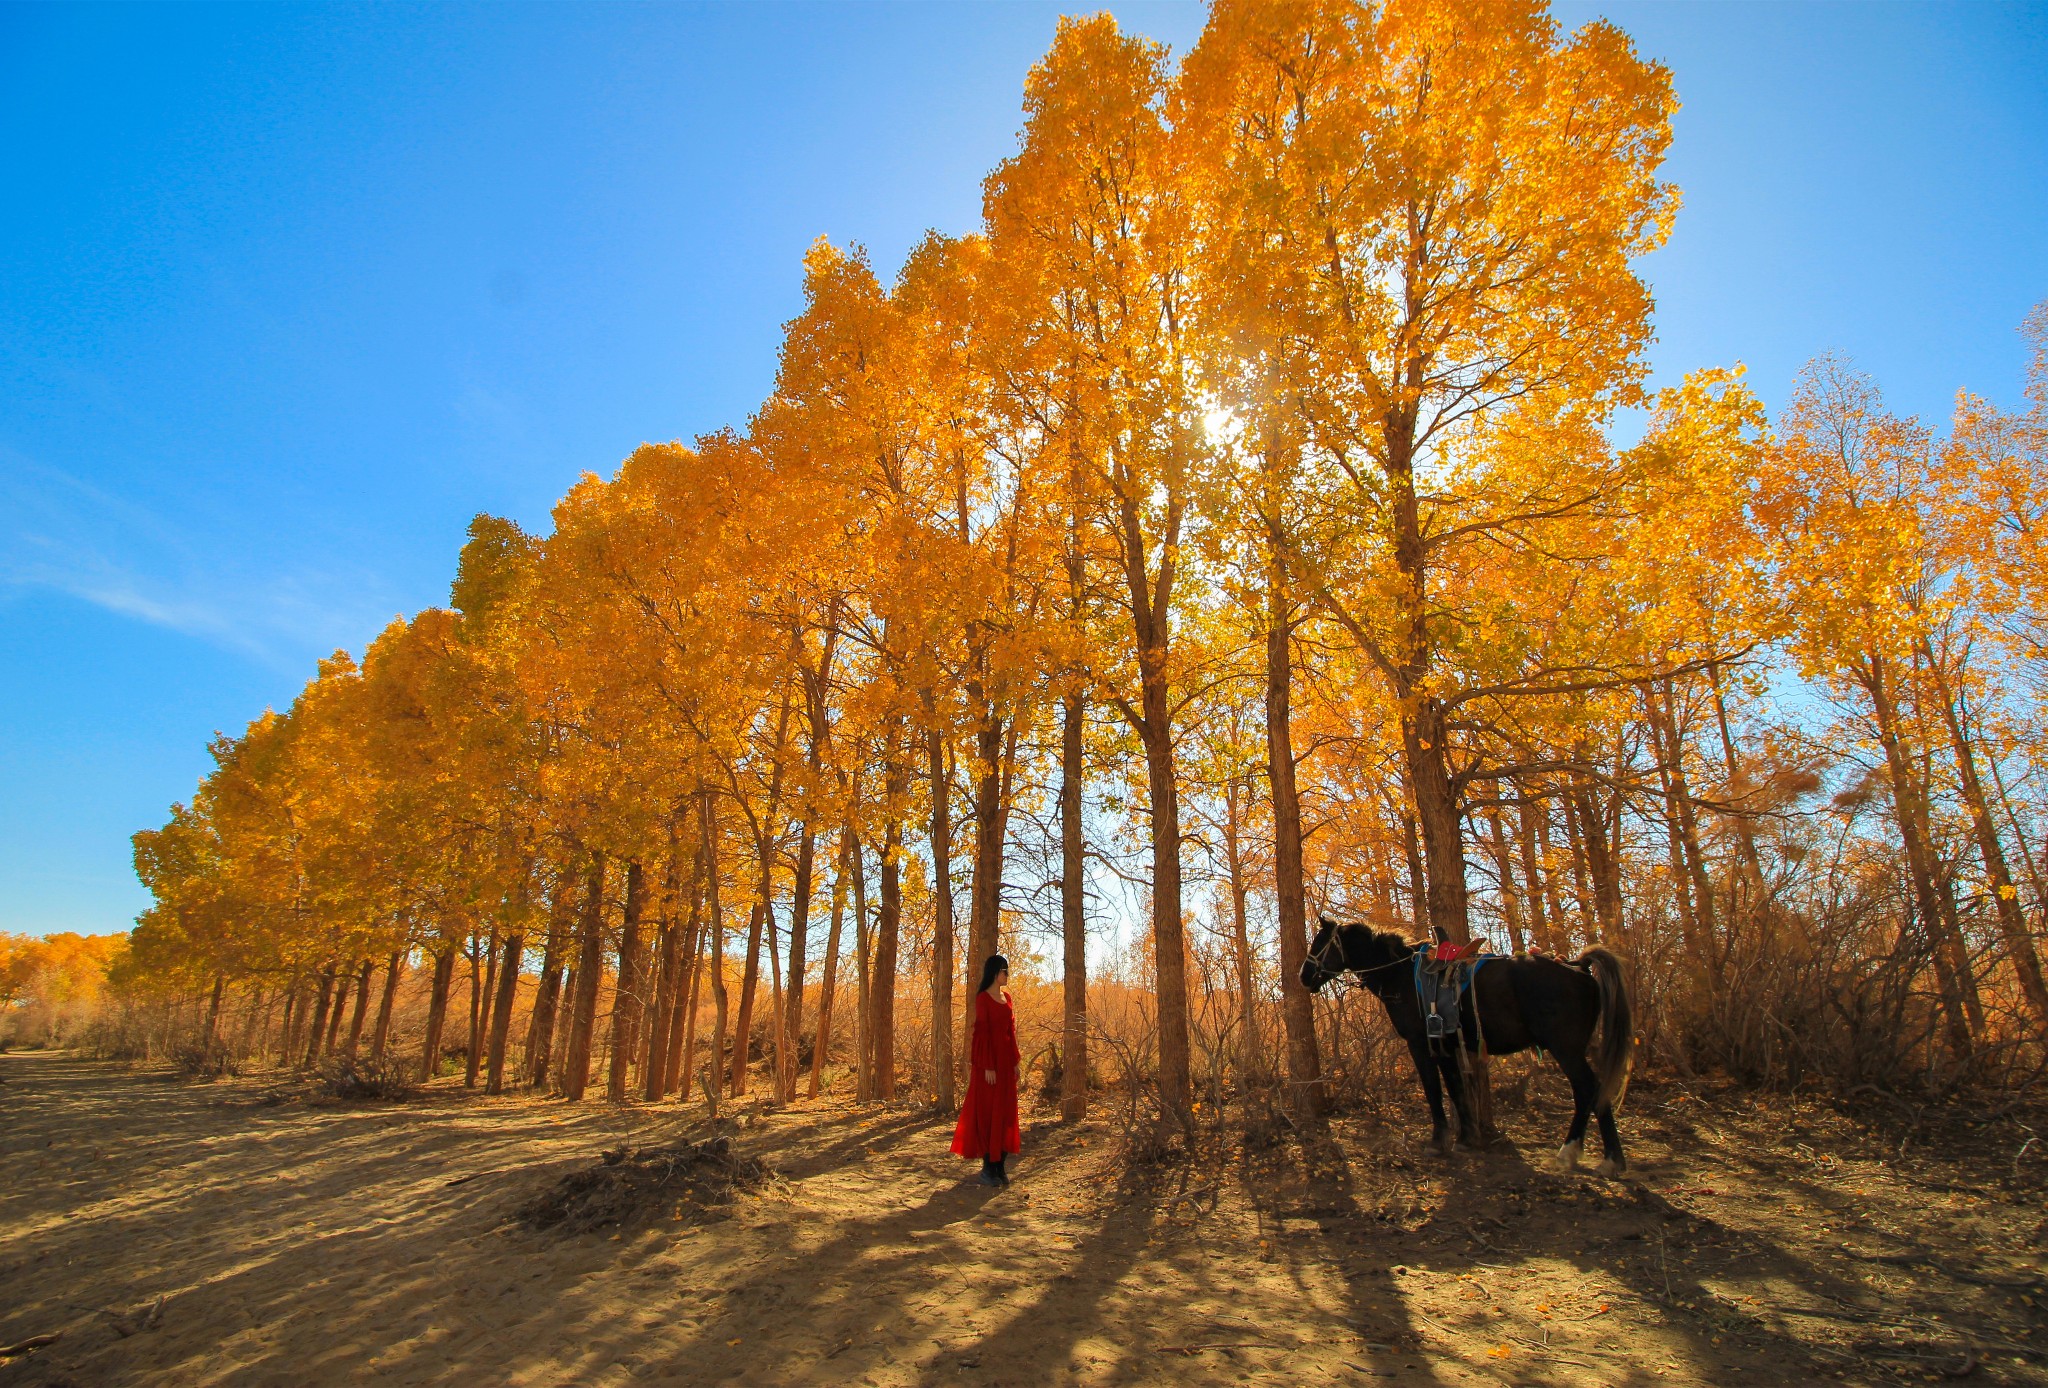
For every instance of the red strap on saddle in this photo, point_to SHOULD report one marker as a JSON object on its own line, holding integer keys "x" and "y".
{"x": 1448, "y": 953}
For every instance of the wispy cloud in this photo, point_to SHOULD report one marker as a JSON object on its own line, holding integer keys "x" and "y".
{"x": 63, "y": 534}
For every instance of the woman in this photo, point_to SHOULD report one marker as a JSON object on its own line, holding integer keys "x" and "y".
{"x": 988, "y": 1124}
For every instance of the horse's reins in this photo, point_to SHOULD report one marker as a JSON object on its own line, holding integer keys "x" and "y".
{"x": 1345, "y": 976}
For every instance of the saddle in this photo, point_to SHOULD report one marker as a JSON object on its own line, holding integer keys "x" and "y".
{"x": 1443, "y": 975}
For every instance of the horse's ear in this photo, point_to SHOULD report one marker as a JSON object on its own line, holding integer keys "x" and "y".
{"x": 1325, "y": 921}
{"x": 1442, "y": 936}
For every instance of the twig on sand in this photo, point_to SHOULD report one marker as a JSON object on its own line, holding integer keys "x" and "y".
{"x": 31, "y": 1344}
{"x": 1551, "y": 1354}
{"x": 1959, "y": 1274}
{"x": 1960, "y": 1366}
{"x": 1192, "y": 1350}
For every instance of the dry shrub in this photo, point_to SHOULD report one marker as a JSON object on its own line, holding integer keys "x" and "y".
{"x": 359, "y": 1078}
{"x": 630, "y": 1186}
{"x": 203, "y": 1062}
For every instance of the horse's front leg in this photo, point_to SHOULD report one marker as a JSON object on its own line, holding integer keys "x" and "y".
{"x": 1461, "y": 1099}
{"x": 1432, "y": 1089}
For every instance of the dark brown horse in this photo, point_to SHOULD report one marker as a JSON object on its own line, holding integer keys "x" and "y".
{"x": 1519, "y": 1001}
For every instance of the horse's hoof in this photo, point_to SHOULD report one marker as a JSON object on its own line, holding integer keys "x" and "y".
{"x": 1568, "y": 1156}
{"x": 1611, "y": 1166}
{"x": 1442, "y": 1144}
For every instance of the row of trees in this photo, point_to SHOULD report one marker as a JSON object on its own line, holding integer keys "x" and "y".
{"x": 51, "y": 986}
{"x": 1234, "y": 526}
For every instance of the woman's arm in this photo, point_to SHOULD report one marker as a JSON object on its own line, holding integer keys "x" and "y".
{"x": 982, "y": 1048}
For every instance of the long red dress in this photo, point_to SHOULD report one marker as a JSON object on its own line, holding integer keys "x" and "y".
{"x": 988, "y": 1122}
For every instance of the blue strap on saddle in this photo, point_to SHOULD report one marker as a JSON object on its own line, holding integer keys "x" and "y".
{"x": 1439, "y": 991}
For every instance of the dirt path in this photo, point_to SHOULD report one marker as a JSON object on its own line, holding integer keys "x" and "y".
{"x": 306, "y": 1245}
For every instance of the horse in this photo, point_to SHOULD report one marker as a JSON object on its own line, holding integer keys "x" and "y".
{"x": 1520, "y": 1001}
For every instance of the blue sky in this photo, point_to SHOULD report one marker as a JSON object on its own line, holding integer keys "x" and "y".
{"x": 288, "y": 294}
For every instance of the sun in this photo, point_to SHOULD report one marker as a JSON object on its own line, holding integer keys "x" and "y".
{"x": 1220, "y": 425}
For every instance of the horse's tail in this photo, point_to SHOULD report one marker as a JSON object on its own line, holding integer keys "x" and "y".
{"x": 1617, "y": 1026}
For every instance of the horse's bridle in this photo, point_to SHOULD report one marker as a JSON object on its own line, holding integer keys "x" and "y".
{"x": 1344, "y": 975}
{"x": 1317, "y": 956}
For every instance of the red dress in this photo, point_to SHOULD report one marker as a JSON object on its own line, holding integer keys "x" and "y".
{"x": 988, "y": 1123}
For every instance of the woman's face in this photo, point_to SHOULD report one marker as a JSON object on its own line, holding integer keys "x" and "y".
{"x": 1002, "y": 978}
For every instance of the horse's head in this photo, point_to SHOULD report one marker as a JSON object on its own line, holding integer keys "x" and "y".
{"x": 1325, "y": 955}
{"x": 1337, "y": 949}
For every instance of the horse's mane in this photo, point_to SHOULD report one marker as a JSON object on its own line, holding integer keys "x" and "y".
{"x": 1388, "y": 942}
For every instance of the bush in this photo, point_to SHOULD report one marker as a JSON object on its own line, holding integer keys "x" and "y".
{"x": 204, "y": 1062}
{"x": 361, "y": 1078}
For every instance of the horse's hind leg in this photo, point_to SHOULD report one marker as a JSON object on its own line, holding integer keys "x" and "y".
{"x": 1585, "y": 1089}
{"x": 1612, "y": 1162}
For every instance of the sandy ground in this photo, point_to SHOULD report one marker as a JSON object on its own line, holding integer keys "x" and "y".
{"x": 179, "y": 1233}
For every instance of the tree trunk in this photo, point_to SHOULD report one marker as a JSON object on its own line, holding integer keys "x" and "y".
{"x": 1738, "y": 790}
{"x": 1690, "y": 932}
{"x": 1951, "y": 962}
{"x": 255, "y": 1012}
{"x": 547, "y": 999}
{"x": 743, "y": 1027}
{"x": 483, "y": 970}
{"x": 2019, "y": 836}
{"x": 380, "y": 1036}
{"x": 318, "y": 1031}
{"x": 784, "y": 1043}
{"x": 1503, "y": 868}
{"x": 339, "y": 1010}
{"x": 992, "y": 741}
{"x": 626, "y": 1004}
{"x": 1525, "y": 836}
{"x": 211, "y": 1029}
{"x": 572, "y": 987}
{"x": 1582, "y": 881}
{"x": 1418, "y": 888}
{"x": 1553, "y": 895}
{"x": 1251, "y": 1061}
{"x": 799, "y": 931}
{"x": 1150, "y": 602}
{"x": 589, "y": 974}
{"x": 654, "y": 1066}
{"x": 288, "y": 1044}
{"x": 715, "y": 921}
{"x": 1603, "y": 859}
{"x": 361, "y": 1012}
{"x": 1073, "y": 915}
{"x": 1685, "y": 825}
{"x": 682, "y": 1036}
{"x": 2005, "y": 897}
{"x": 1439, "y": 819}
{"x": 821, "y": 1045}
{"x": 1169, "y": 939}
{"x": 1425, "y": 726}
{"x": 501, "y": 1009}
{"x": 939, "y": 777}
{"x": 437, "y": 1010}
{"x": 887, "y": 926}
{"x": 1308, "y": 1095}
{"x": 682, "y": 1031}
{"x": 864, "y": 961}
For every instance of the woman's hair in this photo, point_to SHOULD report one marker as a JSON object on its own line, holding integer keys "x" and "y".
{"x": 994, "y": 965}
